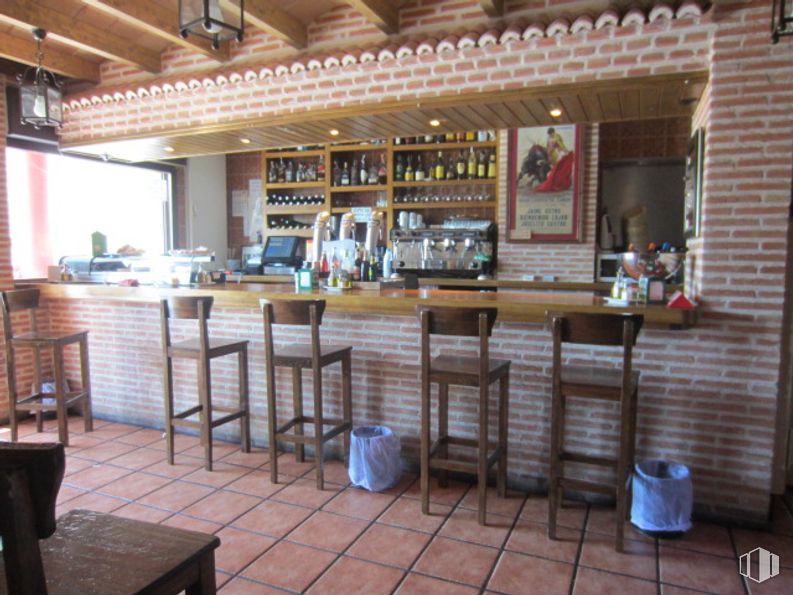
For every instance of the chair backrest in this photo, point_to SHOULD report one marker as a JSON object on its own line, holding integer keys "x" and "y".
{"x": 595, "y": 329}
{"x": 460, "y": 322}
{"x": 292, "y": 312}
{"x": 18, "y": 300}
{"x": 186, "y": 308}
{"x": 30, "y": 477}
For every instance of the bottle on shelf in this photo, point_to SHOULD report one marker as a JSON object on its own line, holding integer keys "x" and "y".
{"x": 382, "y": 171}
{"x": 354, "y": 175}
{"x": 471, "y": 169}
{"x": 345, "y": 175}
{"x": 419, "y": 173}
{"x": 272, "y": 173}
{"x": 336, "y": 173}
{"x": 289, "y": 174}
{"x": 300, "y": 174}
{"x": 363, "y": 173}
{"x": 372, "y": 267}
{"x": 321, "y": 169}
{"x": 491, "y": 166}
{"x": 281, "y": 172}
{"x": 481, "y": 167}
{"x": 431, "y": 166}
{"x": 451, "y": 169}
{"x": 460, "y": 137}
{"x": 481, "y": 135}
{"x": 399, "y": 170}
{"x": 470, "y": 135}
{"x": 428, "y": 138}
{"x": 440, "y": 168}
{"x": 450, "y": 137}
{"x": 373, "y": 173}
{"x": 461, "y": 166}
{"x": 409, "y": 174}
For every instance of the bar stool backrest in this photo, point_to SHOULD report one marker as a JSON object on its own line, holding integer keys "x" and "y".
{"x": 18, "y": 300}
{"x": 461, "y": 322}
{"x": 296, "y": 313}
{"x": 186, "y": 308}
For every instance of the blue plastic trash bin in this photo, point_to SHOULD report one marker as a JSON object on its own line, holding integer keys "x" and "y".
{"x": 375, "y": 462}
{"x": 662, "y": 497}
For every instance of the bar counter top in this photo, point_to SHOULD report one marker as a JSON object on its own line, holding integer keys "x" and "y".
{"x": 519, "y": 306}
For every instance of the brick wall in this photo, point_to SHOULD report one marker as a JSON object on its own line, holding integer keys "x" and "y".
{"x": 241, "y": 168}
{"x": 708, "y": 396}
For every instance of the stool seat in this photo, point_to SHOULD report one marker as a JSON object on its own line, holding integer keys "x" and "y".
{"x": 40, "y": 401}
{"x": 201, "y": 350}
{"x": 191, "y": 348}
{"x": 596, "y": 382}
{"x": 312, "y": 356}
{"x": 301, "y": 355}
{"x": 48, "y": 338}
{"x": 465, "y": 370}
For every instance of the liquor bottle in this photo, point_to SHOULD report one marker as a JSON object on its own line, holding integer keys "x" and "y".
{"x": 449, "y": 137}
{"x": 419, "y": 169}
{"x": 491, "y": 166}
{"x": 272, "y": 174}
{"x": 382, "y": 172}
{"x": 470, "y": 135}
{"x": 461, "y": 169}
{"x": 409, "y": 171}
{"x": 471, "y": 164}
{"x": 399, "y": 170}
{"x": 363, "y": 173}
{"x": 428, "y": 138}
{"x": 481, "y": 167}
{"x": 431, "y": 166}
{"x": 372, "y": 268}
{"x": 398, "y": 140}
{"x": 336, "y": 173}
{"x": 300, "y": 175}
{"x": 373, "y": 173}
{"x": 345, "y": 175}
{"x": 440, "y": 168}
{"x": 354, "y": 173}
{"x": 289, "y": 175}
{"x": 439, "y": 138}
{"x": 460, "y": 137}
{"x": 281, "y": 172}
{"x": 481, "y": 135}
{"x": 321, "y": 169}
{"x": 451, "y": 170}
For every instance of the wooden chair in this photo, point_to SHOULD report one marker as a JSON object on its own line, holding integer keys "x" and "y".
{"x": 39, "y": 402}
{"x": 202, "y": 350}
{"x": 298, "y": 357}
{"x": 479, "y": 372}
{"x": 87, "y": 552}
{"x": 600, "y": 383}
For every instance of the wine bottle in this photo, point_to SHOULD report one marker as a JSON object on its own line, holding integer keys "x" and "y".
{"x": 481, "y": 168}
{"x": 419, "y": 174}
{"x": 491, "y": 166}
{"x": 345, "y": 175}
{"x": 336, "y": 173}
{"x": 409, "y": 171}
{"x": 399, "y": 170}
{"x": 440, "y": 168}
{"x": 321, "y": 169}
{"x": 461, "y": 166}
{"x": 471, "y": 164}
{"x": 382, "y": 172}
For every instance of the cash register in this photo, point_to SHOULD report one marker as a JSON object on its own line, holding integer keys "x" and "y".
{"x": 282, "y": 255}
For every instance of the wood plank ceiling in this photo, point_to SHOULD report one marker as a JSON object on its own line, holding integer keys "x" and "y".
{"x": 84, "y": 33}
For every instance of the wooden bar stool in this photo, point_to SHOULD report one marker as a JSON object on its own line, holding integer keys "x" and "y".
{"x": 594, "y": 382}
{"x": 478, "y": 372}
{"x": 39, "y": 402}
{"x": 202, "y": 350}
{"x": 299, "y": 357}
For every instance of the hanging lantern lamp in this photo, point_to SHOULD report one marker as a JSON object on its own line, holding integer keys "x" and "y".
{"x": 40, "y": 94}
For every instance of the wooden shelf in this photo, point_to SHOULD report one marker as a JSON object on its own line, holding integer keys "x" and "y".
{"x": 294, "y": 185}
{"x": 464, "y": 145}
{"x": 293, "y": 209}
{"x": 367, "y": 188}
{"x": 358, "y": 148}
{"x": 439, "y": 183}
{"x": 457, "y": 204}
{"x": 348, "y": 209}
{"x": 302, "y": 233}
{"x": 294, "y": 154}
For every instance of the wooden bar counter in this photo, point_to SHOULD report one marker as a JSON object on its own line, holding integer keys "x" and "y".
{"x": 513, "y": 305}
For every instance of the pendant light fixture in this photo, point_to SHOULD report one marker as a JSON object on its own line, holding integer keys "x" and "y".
{"x": 216, "y": 20}
{"x": 781, "y": 19}
{"x": 40, "y": 95}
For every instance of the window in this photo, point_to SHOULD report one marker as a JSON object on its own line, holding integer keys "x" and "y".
{"x": 56, "y": 202}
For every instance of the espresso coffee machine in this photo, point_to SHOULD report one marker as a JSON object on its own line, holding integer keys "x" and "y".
{"x": 457, "y": 249}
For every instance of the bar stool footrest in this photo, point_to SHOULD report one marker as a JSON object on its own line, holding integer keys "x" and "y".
{"x": 187, "y": 413}
{"x": 34, "y": 402}
{"x": 575, "y": 457}
{"x": 582, "y": 485}
{"x": 455, "y": 464}
{"x": 232, "y": 415}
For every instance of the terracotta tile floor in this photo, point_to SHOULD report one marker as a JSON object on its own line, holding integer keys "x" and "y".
{"x": 288, "y": 537}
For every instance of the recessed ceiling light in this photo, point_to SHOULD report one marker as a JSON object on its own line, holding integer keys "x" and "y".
{"x": 169, "y": 149}
{"x": 245, "y": 141}
{"x": 435, "y": 123}
{"x": 333, "y": 132}
{"x": 555, "y": 112}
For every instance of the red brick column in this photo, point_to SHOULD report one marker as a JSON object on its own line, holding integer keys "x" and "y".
{"x": 6, "y": 275}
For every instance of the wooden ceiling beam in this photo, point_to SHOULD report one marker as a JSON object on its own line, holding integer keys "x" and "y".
{"x": 273, "y": 20}
{"x": 493, "y": 8}
{"x": 382, "y": 13}
{"x": 26, "y": 13}
{"x": 153, "y": 18}
{"x": 24, "y": 51}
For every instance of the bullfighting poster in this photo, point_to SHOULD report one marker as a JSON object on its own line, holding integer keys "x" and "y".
{"x": 544, "y": 183}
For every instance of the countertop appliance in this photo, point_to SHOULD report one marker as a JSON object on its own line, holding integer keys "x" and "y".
{"x": 459, "y": 251}
{"x": 94, "y": 264}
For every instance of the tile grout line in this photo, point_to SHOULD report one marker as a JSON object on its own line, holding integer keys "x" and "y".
{"x": 744, "y": 582}
{"x": 579, "y": 549}
{"x": 503, "y": 547}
